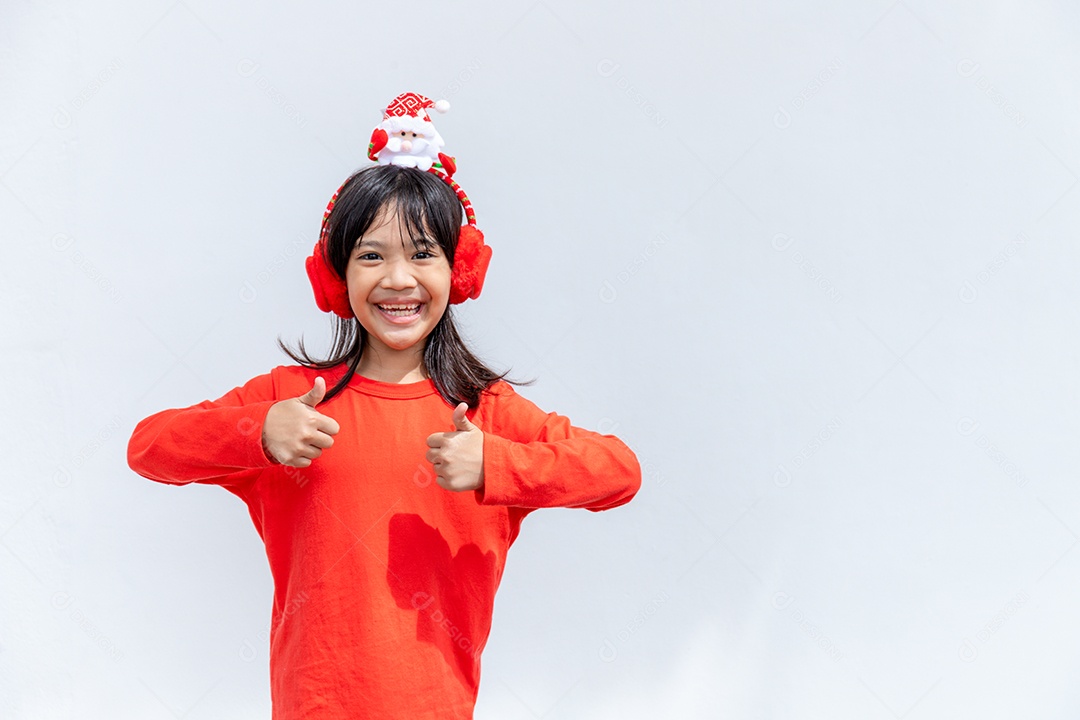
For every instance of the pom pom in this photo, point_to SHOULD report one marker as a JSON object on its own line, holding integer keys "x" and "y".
{"x": 442, "y": 105}
{"x": 481, "y": 271}
{"x": 331, "y": 292}
{"x": 470, "y": 265}
{"x": 315, "y": 276}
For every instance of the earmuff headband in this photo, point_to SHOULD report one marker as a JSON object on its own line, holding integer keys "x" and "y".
{"x": 421, "y": 151}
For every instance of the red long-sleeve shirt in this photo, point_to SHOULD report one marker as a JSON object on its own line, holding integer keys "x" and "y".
{"x": 384, "y": 582}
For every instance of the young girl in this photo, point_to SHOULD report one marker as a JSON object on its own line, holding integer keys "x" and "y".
{"x": 388, "y": 503}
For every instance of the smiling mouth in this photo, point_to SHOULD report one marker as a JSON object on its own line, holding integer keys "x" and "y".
{"x": 400, "y": 310}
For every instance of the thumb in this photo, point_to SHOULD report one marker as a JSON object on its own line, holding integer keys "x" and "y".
{"x": 461, "y": 422}
{"x": 315, "y": 395}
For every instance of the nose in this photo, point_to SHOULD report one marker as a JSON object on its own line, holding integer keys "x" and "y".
{"x": 398, "y": 275}
{"x": 406, "y": 145}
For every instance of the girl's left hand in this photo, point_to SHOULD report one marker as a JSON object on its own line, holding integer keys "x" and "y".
{"x": 458, "y": 456}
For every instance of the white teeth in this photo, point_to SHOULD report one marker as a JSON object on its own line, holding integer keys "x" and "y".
{"x": 400, "y": 310}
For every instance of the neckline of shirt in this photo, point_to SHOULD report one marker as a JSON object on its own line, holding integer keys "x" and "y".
{"x": 366, "y": 385}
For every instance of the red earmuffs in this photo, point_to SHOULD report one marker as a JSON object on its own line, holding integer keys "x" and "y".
{"x": 407, "y": 113}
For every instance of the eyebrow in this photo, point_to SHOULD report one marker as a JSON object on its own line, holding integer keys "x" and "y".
{"x": 378, "y": 244}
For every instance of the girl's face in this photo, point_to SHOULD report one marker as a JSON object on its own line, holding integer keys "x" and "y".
{"x": 397, "y": 291}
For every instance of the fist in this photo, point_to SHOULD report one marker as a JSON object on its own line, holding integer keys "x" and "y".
{"x": 295, "y": 433}
{"x": 458, "y": 456}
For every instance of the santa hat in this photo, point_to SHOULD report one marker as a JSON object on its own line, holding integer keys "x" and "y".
{"x": 413, "y": 105}
{"x": 471, "y": 258}
{"x": 408, "y": 111}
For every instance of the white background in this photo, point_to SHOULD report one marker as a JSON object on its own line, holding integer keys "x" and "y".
{"x": 815, "y": 263}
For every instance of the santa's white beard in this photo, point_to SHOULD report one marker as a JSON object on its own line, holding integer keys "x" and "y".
{"x": 422, "y": 163}
{"x": 420, "y": 147}
{"x": 421, "y": 155}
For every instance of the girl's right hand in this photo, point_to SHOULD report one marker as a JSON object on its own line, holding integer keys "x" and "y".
{"x": 294, "y": 432}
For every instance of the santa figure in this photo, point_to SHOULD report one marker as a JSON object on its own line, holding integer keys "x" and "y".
{"x": 407, "y": 137}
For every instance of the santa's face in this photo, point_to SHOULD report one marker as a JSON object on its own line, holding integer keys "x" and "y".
{"x": 410, "y": 142}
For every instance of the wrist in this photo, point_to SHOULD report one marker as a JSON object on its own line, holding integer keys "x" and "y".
{"x": 266, "y": 451}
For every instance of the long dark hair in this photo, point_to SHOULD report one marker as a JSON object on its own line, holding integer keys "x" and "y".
{"x": 422, "y": 201}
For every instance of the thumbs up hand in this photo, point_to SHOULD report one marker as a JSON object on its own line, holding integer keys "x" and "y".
{"x": 295, "y": 433}
{"x": 458, "y": 456}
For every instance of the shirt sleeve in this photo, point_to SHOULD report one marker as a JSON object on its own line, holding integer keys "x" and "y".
{"x": 537, "y": 459}
{"x": 217, "y": 442}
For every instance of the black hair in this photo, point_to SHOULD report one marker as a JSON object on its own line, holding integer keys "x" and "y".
{"x": 429, "y": 208}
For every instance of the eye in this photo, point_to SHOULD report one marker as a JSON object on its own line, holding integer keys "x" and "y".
{"x": 367, "y": 255}
{"x": 424, "y": 252}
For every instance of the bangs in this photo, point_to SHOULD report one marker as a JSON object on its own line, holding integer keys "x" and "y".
{"x": 427, "y": 210}
{"x": 412, "y": 220}
{"x": 411, "y": 224}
